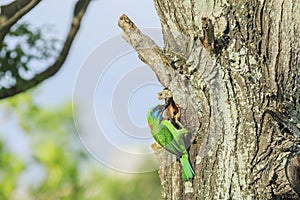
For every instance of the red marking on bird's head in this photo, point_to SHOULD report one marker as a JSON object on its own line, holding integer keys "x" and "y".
{"x": 151, "y": 127}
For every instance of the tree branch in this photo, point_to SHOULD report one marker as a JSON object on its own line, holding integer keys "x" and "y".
{"x": 23, "y": 85}
{"x": 12, "y": 12}
{"x": 149, "y": 52}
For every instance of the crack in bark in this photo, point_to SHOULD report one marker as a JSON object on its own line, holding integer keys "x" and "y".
{"x": 277, "y": 65}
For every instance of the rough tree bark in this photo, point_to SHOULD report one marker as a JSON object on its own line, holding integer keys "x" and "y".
{"x": 234, "y": 69}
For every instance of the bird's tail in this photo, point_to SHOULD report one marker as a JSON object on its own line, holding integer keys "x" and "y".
{"x": 187, "y": 170}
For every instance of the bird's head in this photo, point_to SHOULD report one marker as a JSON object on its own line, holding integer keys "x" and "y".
{"x": 156, "y": 112}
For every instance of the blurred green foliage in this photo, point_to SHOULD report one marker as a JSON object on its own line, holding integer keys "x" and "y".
{"x": 70, "y": 172}
{"x": 10, "y": 169}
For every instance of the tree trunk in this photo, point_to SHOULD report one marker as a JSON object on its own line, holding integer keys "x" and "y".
{"x": 234, "y": 69}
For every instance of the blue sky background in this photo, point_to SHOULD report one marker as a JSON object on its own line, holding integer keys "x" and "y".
{"x": 99, "y": 25}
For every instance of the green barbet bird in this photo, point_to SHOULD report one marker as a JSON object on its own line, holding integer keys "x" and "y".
{"x": 170, "y": 138}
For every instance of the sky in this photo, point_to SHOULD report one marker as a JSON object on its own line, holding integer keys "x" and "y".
{"x": 98, "y": 26}
{"x": 103, "y": 76}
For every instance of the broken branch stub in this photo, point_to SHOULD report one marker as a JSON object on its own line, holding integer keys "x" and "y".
{"x": 149, "y": 52}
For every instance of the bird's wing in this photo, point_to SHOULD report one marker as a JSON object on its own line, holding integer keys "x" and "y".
{"x": 176, "y": 133}
{"x": 165, "y": 139}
